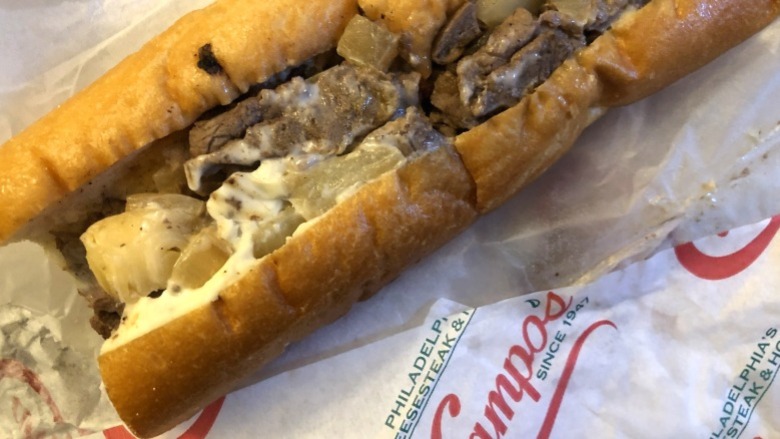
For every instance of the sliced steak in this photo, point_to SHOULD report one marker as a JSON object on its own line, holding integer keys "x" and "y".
{"x": 507, "y": 83}
{"x": 460, "y": 31}
{"x": 107, "y": 314}
{"x": 324, "y": 115}
{"x": 518, "y": 55}
{"x": 228, "y": 123}
{"x": 411, "y": 133}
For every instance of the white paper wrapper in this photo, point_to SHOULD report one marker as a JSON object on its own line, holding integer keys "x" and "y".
{"x": 695, "y": 159}
{"x": 49, "y": 382}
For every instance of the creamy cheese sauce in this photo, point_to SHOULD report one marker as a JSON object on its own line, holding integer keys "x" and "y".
{"x": 248, "y": 198}
{"x": 148, "y": 314}
{"x": 299, "y": 95}
{"x": 251, "y": 210}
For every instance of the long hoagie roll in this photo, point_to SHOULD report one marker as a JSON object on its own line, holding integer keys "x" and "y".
{"x": 177, "y": 350}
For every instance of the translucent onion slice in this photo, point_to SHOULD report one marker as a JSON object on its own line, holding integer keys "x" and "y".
{"x": 367, "y": 43}
{"x": 272, "y": 233}
{"x": 582, "y": 12}
{"x": 494, "y": 12}
{"x": 203, "y": 256}
{"x": 318, "y": 188}
{"x": 132, "y": 254}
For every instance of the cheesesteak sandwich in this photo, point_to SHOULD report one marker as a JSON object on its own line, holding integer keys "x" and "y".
{"x": 255, "y": 170}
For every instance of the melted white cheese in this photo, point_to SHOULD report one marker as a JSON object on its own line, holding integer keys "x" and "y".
{"x": 148, "y": 313}
{"x": 249, "y": 198}
{"x": 247, "y": 208}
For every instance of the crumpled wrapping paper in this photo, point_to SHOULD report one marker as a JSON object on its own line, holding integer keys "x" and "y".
{"x": 49, "y": 380}
{"x": 695, "y": 159}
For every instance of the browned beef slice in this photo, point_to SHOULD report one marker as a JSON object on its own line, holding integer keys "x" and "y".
{"x": 325, "y": 116}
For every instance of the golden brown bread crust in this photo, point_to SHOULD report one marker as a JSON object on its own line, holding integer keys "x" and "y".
{"x": 645, "y": 51}
{"x": 511, "y": 149}
{"x": 667, "y": 39}
{"x": 160, "y": 379}
{"x": 163, "y": 377}
{"x": 156, "y": 91}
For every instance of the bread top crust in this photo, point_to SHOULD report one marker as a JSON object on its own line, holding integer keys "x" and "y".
{"x": 159, "y": 90}
{"x": 643, "y": 52}
{"x": 511, "y": 149}
{"x": 655, "y": 46}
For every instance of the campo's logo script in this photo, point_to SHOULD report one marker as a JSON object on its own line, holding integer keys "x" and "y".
{"x": 515, "y": 382}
